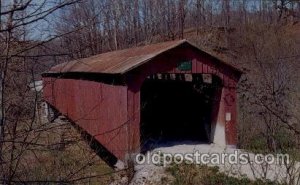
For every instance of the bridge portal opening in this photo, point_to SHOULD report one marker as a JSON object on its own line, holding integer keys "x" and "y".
{"x": 176, "y": 108}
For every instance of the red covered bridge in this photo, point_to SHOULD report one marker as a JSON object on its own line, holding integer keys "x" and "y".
{"x": 166, "y": 91}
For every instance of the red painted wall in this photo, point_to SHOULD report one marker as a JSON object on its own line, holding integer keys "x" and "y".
{"x": 98, "y": 108}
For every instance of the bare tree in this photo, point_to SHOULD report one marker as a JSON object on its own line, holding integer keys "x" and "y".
{"x": 17, "y": 102}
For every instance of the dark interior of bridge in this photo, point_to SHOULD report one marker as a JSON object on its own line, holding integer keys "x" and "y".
{"x": 175, "y": 111}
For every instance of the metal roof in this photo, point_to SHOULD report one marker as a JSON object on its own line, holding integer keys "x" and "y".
{"x": 121, "y": 61}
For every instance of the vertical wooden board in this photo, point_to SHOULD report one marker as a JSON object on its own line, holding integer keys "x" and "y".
{"x": 79, "y": 104}
{"x": 82, "y": 109}
{"x": 209, "y": 64}
{"x": 76, "y": 103}
{"x": 130, "y": 114}
{"x": 205, "y": 68}
{"x": 68, "y": 91}
{"x": 88, "y": 105}
{"x": 99, "y": 110}
{"x": 71, "y": 99}
{"x": 54, "y": 93}
{"x": 48, "y": 90}
{"x": 102, "y": 111}
{"x": 61, "y": 92}
{"x": 80, "y": 101}
{"x": 135, "y": 127}
{"x": 57, "y": 94}
{"x": 63, "y": 97}
{"x": 230, "y": 107}
{"x": 194, "y": 66}
{"x": 199, "y": 67}
{"x": 96, "y": 106}
{"x": 50, "y": 97}
{"x": 66, "y": 87}
{"x": 85, "y": 108}
{"x": 134, "y": 115}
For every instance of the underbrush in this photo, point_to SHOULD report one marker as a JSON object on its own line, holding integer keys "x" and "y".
{"x": 187, "y": 174}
